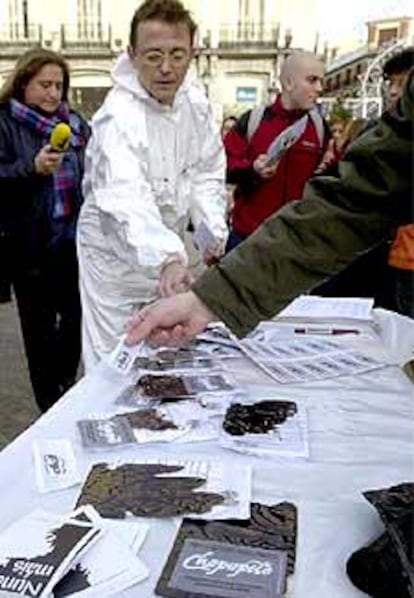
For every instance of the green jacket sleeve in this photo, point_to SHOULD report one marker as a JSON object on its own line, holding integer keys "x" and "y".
{"x": 309, "y": 240}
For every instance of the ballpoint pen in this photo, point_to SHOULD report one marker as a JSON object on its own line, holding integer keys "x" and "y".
{"x": 327, "y": 331}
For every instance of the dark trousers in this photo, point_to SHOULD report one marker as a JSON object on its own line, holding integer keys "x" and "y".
{"x": 49, "y": 308}
{"x": 5, "y": 284}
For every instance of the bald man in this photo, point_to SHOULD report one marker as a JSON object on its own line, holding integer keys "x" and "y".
{"x": 263, "y": 188}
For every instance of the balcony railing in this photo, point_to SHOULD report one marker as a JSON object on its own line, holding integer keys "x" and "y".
{"x": 255, "y": 35}
{"x": 84, "y": 37}
{"x": 17, "y": 37}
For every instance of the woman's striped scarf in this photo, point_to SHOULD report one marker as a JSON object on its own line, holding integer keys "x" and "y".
{"x": 63, "y": 180}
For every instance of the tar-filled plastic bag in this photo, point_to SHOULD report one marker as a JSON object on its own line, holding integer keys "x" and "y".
{"x": 385, "y": 568}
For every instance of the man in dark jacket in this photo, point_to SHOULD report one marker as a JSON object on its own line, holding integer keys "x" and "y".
{"x": 262, "y": 188}
{"x": 305, "y": 242}
{"x": 383, "y": 274}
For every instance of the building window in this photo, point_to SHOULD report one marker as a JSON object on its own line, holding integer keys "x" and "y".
{"x": 248, "y": 10}
{"x": 357, "y": 73}
{"x": 89, "y": 19}
{"x": 387, "y": 36}
{"x": 251, "y": 19}
{"x": 15, "y": 17}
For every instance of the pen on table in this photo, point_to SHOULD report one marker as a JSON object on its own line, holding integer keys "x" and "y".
{"x": 328, "y": 331}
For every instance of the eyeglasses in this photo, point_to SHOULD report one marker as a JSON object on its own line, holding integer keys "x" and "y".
{"x": 155, "y": 58}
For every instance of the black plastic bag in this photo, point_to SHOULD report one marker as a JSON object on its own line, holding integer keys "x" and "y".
{"x": 384, "y": 569}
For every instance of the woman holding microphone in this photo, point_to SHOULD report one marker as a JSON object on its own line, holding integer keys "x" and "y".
{"x": 40, "y": 189}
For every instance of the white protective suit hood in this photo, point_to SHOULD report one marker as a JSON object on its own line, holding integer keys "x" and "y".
{"x": 150, "y": 167}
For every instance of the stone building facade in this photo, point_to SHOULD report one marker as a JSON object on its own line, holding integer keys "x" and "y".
{"x": 240, "y": 44}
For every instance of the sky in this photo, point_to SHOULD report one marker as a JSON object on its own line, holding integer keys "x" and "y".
{"x": 342, "y": 19}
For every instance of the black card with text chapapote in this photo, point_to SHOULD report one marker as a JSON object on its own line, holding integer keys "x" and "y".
{"x": 233, "y": 558}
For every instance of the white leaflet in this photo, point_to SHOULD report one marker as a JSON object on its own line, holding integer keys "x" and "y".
{"x": 55, "y": 464}
{"x": 122, "y": 357}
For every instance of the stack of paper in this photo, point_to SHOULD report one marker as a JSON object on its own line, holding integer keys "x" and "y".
{"x": 44, "y": 554}
{"x": 309, "y": 307}
{"x": 306, "y": 359}
{"x": 111, "y": 565}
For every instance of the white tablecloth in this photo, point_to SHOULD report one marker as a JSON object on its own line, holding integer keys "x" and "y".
{"x": 361, "y": 435}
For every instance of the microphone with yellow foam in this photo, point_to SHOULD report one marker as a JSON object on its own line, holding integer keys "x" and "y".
{"x": 60, "y": 137}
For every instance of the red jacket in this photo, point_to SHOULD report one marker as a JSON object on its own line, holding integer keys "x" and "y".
{"x": 255, "y": 198}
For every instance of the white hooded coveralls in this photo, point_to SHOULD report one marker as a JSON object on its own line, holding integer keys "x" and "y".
{"x": 149, "y": 167}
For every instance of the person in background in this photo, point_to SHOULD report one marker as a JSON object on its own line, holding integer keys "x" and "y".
{"x": 401, "y": 256}
{"x": 303, "y": 243}
{"x": 40, "y": 202}
{"x": 263, "y": 188}
{"x": 343, "y": 131}
{"x": 395, "y": 72}
{"x": 337, "y": 125}
{"x": 155, "y": 161}
{"x": 386, "y": 271}
{"x": 227, "y": 124}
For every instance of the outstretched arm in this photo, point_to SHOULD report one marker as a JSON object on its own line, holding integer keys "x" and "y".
{"x": 340, "y": 218}
{"x": 304, "y": 243}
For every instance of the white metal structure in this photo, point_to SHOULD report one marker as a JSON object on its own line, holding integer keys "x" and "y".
{"x": 369, "y": 101}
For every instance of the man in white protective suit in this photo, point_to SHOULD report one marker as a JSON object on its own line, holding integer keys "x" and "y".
{"x": 154, "y": 162}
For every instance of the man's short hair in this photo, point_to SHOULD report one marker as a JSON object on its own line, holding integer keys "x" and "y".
{"x": 399, "y": 63}
{"x": 168, "y": 11}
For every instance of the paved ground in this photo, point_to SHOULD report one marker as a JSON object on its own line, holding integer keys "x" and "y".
{"x": 17, "y": 407}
